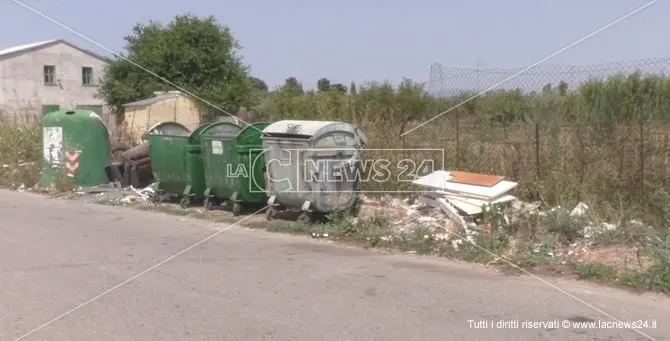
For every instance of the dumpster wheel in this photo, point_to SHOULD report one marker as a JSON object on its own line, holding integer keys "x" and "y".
{"x": 185, "y": 202}
{"x": 158, "y": 197}
{"x": 208, "y": 203}
{"x": 271, "y": 213}
{"x": 237, "y": 209}
{"x": 306, "y": 217}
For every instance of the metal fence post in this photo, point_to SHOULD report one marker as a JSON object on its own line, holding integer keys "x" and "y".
{"x": 537, "y": 150}
{"x": 458, "y": 138}
{"x": 641, "y": 154}
{"x": 665, "y": 160}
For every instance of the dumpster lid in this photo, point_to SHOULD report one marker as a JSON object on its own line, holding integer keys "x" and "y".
{"x": 80, "y": 114}
{"x": 167, "y": 128}
{"x": 252, "y": 133}
{"x": 97, "y": 117}
{"x": 194, "y": 138}
{"x": 221, "y": 129}
{"x": 297, "y": 128}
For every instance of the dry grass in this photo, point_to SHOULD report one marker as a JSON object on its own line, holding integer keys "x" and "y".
{"x": 567, "y": 164}
{"x": 20, "y": 153}
{"x": 126, "y": 135}
{"x": 562, "y": 149}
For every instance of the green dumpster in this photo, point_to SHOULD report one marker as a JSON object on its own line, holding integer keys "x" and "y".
{"x": 217, "y": 150}
{"x": 177, "y": 164}
{"x": 249, "y": 168}
{"x": 76, "y": 144}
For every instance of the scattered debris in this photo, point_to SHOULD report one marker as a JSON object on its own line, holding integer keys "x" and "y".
{"x": 367, "y": 200}
{"x": 20, "y": 164}
{"x": 319, "y": 235}
{"x": 146, "y": 193}
{"x": 525, "y": 209}
{"x": 592, "y": 229}
{"x": 579, "y": 210}
{"x": 128, "y": 199}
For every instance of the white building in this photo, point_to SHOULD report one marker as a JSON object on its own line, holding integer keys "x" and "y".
{"x": 46, "y": 76}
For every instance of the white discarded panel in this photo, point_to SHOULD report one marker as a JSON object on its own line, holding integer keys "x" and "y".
{"x": 444, "y": 206}
{"x": 217, "y": 147}
{"x": 53, "y": 145}
{"x": 472, "y": 206}
{"x": 439, "y": 181}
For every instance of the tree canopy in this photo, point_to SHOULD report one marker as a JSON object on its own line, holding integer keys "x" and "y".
{"x": 259, "y": 85}
{"x": 323, "y": 84}
{"x": 196, "y": 54}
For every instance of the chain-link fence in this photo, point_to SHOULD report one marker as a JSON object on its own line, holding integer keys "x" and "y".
{"x": 568, "y": 131}
{"x": 450, "y": 81}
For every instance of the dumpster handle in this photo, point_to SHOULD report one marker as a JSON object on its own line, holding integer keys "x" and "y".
{"x": 185, "y": 162}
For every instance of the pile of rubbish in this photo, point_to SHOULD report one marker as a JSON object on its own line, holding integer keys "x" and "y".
{"x": 462, "y": 196}
{"x": 465, "y": 193}
{"x": 130, "y": 195}
{"x": 450, "y": 204}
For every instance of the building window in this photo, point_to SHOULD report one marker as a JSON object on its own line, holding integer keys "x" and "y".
{"x": 49, "y": 74}
{"x": 87, "y": 75}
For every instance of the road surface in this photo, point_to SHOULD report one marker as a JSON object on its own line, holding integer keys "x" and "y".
{"x": 252, "y": 285}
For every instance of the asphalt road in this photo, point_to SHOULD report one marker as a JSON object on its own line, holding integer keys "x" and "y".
{"x": 251, "y": 285}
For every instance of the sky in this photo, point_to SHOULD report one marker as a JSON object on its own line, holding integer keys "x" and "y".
{"x": 372, "y": 40}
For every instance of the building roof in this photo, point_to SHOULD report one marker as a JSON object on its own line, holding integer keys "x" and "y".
{"x": 21, "y": 49}
{"x": 158, "y": 97}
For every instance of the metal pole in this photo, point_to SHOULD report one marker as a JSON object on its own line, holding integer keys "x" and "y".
{"x": 458, "y": 138}
{"x": 537, "y": 150}
{"x": 641, "y": 155}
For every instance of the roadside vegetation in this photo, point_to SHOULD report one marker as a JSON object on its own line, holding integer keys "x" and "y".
{"x": 603, "y": 142}
{"x": 20, "y": 151}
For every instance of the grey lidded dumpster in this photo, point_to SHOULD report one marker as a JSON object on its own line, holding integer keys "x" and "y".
{"x": 76, "y": 143}
{"x": 176, "y": 162}
{"x": 217, "y": 152}
{"x": 312, "y": 166}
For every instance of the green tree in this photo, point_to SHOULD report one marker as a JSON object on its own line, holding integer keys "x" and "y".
{"x": 258, "y": 84}
{"x": 413, "y": 102}
{"x": 197, "y": 54}
{"x": 323, "y": 85}
{"x": 394, "y": 107}
{"x": 292, "y": 87}
{"x": 341, "y": 88}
